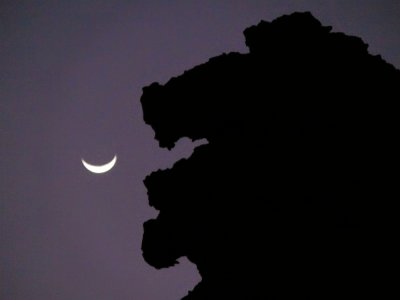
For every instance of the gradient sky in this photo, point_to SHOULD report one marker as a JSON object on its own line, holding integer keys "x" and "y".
{"x": 71, "y": 74}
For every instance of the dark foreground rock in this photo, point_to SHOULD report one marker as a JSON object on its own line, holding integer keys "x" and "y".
{"x": 295, "y": 193}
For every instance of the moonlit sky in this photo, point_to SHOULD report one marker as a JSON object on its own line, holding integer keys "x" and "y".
{"x": 71, "y": 74}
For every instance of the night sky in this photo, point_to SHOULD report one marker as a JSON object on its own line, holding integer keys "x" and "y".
{"x": 71, "y": 76}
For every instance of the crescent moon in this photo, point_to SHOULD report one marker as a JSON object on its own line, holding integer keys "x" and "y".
{"x": 98, "y": 169}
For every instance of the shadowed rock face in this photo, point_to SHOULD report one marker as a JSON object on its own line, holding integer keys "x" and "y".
{"x": 293, "y": 195}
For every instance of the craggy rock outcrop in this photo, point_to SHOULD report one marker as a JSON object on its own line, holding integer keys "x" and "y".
{"x": 294, "y": 194}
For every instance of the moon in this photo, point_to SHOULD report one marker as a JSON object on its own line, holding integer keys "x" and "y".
{"x": 99, "y": 169}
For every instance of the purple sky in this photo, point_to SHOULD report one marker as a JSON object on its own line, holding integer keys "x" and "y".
{"x": 71, "y": 74}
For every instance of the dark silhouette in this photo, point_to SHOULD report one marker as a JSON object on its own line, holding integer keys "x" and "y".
{"x": 294, "y": 194}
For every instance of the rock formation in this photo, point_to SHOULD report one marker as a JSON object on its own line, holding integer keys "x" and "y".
{"x": 294, "y": 193}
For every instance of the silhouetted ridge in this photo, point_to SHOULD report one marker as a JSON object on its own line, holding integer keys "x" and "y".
{"x": 294, "y": 194}
{"x": 287, "y": 31}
